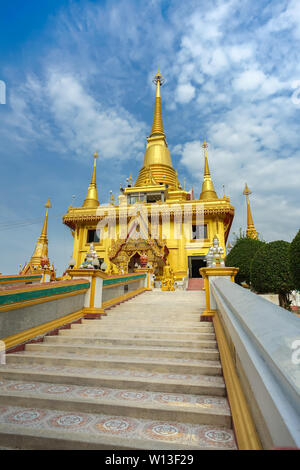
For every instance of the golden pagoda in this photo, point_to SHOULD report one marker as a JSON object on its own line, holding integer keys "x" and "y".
{"x": 155, "y": 217}
{"x": 251, "y": 230}
{"x": 40, "y": 254}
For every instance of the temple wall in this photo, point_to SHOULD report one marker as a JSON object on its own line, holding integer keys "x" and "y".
{"x": 23, "y": 318}
{"x": 117, "y": 291}
{"x": 180, "y": 248}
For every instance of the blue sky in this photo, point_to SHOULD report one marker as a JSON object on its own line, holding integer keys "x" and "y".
{"x": 78, "y": 79}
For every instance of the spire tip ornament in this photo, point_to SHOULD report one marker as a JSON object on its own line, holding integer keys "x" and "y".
{"x": 158, "y": 78}
{"x": 157, "y": 126}
{"x": 246, "y": 190}
{"x": 48, "y": 204}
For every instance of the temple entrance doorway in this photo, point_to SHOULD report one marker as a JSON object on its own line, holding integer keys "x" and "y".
{"x": 135, "y": 259}
{"x": 195, "y": 263}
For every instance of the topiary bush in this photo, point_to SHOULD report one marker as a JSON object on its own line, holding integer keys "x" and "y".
{"x": 270, "y": 271}
{"x": 241, "y": 255}
{"x": 294, "y": 257}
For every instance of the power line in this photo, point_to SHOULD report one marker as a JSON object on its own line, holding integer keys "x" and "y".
{"x": 14, "y": 225}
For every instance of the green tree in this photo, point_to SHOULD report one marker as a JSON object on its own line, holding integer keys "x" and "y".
{"x": 294, "y": 256}
{"x": 270, "y": 271}
{"x": 241, "y": 255}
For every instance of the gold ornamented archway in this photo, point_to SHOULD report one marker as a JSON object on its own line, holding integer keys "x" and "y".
{"x": 122, "y": 251}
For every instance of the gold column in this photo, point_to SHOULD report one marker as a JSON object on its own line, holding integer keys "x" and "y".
{"x": 206, "y": 273}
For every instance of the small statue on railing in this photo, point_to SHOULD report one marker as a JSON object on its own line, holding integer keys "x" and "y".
{"x": 215, "y": 255}
{"x": 91, "y": 260}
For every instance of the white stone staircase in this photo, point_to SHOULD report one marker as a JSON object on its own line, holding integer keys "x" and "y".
{"x": 146, "y": 376}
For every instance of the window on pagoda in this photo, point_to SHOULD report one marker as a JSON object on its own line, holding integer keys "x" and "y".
{"x": 93, "y": 236}
{"x": 199, "y": 232}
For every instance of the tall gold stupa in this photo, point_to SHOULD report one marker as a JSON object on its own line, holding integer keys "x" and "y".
{"x": 40, "y": 254}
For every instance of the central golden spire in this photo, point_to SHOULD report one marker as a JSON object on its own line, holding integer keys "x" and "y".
{"x": 91, "y": 199}
{"x": 251, "y": 230}
{"x": 157, "y": 126}
{"x": 157, "y": 156}
{"x": 208, "y": 190}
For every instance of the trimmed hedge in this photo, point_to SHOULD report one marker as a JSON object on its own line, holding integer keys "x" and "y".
{"x": 294, "y": 257}
{"x": 270, "y": 271}
{"x": 241, "y": 256}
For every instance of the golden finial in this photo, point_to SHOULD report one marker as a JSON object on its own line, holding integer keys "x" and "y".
{"x": 246, "y": 191}
{"x": 158, "y": 78}
{"x": 96, "y": 155}
{"x": 157, "y": 126}
{"x": 206, "y": 168}
{"x": 48, "y": 204}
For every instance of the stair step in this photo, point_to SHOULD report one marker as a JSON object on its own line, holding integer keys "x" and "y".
{"x": 144, "y": 333}
{"x": 98, "y": 339}
{"x": 128, "y": 363}
{"x": 204, "y": 327}
{"x": 125, "y": 328}
{"x": 149, "y": 323}
{"x": 116, "y": 378}
{"x": 155, "y": 319}
{"x": 38, "y": 428}
{"x": 196, "y": 409}
{"x": 195, "y": 284}
{"x": 83, "y": 344}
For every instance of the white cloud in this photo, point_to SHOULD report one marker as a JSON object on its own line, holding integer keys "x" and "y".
{"x": 249, "y": 80}
{"x": 239, "y": 53}
{"x": 192, "y": 156}
{"x": 255, "y": 79}
{"x": 288, "y": 19}
{"x": 185, "y": 93}
{"x": 63, "y": 114}
{"x": 84, "y": 124}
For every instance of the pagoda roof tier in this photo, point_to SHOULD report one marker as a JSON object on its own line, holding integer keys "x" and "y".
{"x": 78, "y": 216}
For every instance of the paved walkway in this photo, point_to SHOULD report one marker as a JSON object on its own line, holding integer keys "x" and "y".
{"x": 146, "y": 376}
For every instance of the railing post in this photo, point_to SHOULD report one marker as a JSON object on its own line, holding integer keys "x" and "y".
{"x": 149, "y": 279}
{"x": 46, "y": 276}
{"x": 93, "y": 298}
{"x": 208, "y": 275}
